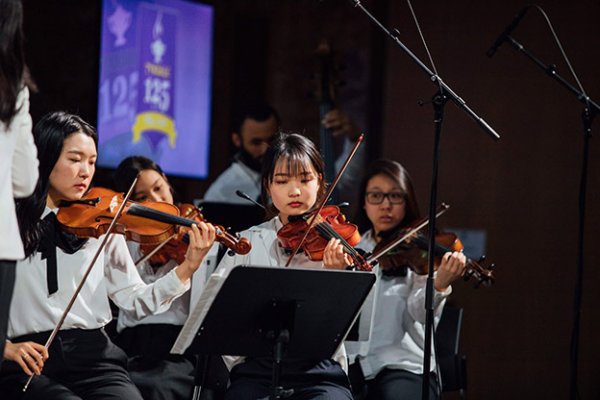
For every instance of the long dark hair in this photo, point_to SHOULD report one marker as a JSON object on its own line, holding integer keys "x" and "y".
{"x": 397, "y": 173}
{"x": 13, "y": 71}
{"x": 299, "y": 152}
{"x": 130, "y": 167}
{"x": 49, "y": 135}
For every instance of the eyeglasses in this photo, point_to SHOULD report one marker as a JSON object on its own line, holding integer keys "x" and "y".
{"x": 378, "y": 197}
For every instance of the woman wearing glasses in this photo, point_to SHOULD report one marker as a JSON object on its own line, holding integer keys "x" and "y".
{"x": 392, "y": 361}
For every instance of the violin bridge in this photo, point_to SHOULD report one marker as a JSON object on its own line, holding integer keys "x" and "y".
{"x": 114, "y": 204}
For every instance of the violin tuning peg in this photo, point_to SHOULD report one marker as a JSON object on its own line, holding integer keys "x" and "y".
{"x": 482, "y": 258}
{"x": 468, "y": 274}
{"x": 492, "y": 266}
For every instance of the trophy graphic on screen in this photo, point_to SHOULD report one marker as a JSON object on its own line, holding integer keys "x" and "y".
{"x": 118, "y": 23}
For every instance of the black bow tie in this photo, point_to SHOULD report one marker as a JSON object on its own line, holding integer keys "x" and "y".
{"x": 52, "y": 237}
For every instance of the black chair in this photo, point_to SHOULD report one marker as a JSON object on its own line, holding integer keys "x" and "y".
{"x": 452, "y": 364}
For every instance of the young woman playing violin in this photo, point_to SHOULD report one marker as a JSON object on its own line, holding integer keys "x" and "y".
{"x": 292, "y": 178}
{"x": 392, "y": 365}
{"x": 81, "y": 362}
{"x": 148, "y": 341}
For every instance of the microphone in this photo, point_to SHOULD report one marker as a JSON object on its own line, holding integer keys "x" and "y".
{"x": 511, "y": 27}
{"x": 247, "y": 197}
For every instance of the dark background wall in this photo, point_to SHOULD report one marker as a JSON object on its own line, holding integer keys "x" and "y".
{"x": 522, "y": 190}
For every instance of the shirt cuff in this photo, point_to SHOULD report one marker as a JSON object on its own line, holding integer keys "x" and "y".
{"x": 438, "y": 296}
{"x": 172, "y": 283}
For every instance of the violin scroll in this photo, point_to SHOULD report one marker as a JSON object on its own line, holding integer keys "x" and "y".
{"x": 413, "y": 254}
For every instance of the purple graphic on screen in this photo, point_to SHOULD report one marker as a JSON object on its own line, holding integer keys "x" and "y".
{"x": 155, "y": 84}
{"x": 154, "y": 116}
{"x": 118, "y": 24}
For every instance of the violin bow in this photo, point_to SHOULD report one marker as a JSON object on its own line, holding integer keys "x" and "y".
{"x": 329, "y": 192}
{"x": 373, "y": 257}
{"x": 85, "y": 275}
{"x": 167, "y": 240}
{"x": 155, "y": 250}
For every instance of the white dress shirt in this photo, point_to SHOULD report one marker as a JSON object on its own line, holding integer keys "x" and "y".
{"x": 397, "y": 339}
{"x": 18, "y": 175}
{"x": 237, "y": 177}
{"x": 267, "y": 252}
{"x": 180, "y": 307}
{"x": 113, "y": 276}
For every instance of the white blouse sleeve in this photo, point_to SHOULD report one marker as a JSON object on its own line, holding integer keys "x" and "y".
{"x": 416, "y": 298}
{"x": 128, "y": 291}
{"x": 25, "y": 162}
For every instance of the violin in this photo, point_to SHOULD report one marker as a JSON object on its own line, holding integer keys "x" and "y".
{"x": 413, "y": 253}
{"x": 330, "y": 223}
{"x": 91, "y": 216}
{"x": 149, "y": 224}
{"x": 176, "y": 246}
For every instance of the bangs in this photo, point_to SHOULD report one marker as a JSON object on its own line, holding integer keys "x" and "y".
{"x": 294, "y": 164}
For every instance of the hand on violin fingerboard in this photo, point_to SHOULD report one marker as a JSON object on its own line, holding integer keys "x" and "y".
{"x": 452, "y": 267}
{"x": 334, "y": 256}
{"x": 202, "y": 237}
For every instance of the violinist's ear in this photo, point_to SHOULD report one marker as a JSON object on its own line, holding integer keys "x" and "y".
{"x": 236, "y": 139}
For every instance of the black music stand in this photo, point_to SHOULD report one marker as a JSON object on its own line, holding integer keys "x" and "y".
{"x": 235, "y": 217}
{"x": 280, "y": 312}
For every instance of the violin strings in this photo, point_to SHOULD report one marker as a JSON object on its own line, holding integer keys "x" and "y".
{"x": 327, "y": 230}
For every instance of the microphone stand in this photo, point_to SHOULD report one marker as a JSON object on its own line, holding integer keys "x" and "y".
{"x": 442, "y": 96}
{"x": 589, "y": 112}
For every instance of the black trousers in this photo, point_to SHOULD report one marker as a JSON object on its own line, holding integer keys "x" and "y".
{"x": 7, "y": 283}
{"x": 320, "y": 380}
{"x": 156, "y": 373}
{"x": 83, "y": 364}
{"x": 397, "y": 384}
